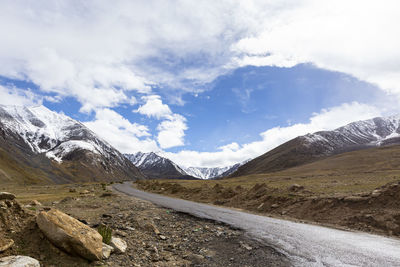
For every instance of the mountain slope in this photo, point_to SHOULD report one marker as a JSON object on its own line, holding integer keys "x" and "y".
{"x": 311, "y": 147}
{"x": 157, "y": 167}
{"x": 39, "y": 145}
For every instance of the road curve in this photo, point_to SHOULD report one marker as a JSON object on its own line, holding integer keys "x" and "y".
{"x": 304, "y": 244}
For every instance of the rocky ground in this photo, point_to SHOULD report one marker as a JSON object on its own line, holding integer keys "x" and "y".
{"x": 155, "y": 236}
{"x": 374, "y": 211}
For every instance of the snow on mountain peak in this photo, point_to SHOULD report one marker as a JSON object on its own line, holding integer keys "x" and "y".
{"x": 49, "y": 132}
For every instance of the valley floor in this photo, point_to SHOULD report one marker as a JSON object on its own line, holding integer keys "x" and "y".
{"x": 155, "y": 236}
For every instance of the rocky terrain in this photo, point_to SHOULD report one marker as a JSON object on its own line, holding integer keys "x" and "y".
{"x": 154, "y": 236}
{"x": 38, "y": 145}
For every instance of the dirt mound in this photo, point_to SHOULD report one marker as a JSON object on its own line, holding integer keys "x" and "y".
{"x": 13, "y": 218}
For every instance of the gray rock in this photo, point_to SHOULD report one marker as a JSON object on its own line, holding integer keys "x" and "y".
{"x": 19, "y": 261}
{"x": 107, "y": 250}
{"x": 118, "y": 244}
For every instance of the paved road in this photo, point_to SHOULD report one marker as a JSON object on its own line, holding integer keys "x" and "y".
{"x": 305, "y": 245}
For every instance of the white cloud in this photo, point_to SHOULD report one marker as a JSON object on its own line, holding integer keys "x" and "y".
{"x": 230, "y": 147}
{"x": 18, "y": 97}
{"x": 326, "y": 119}
{"x": 356, "y": 37}
{"x": 154, "y": 107}
{"x": 100, "y": 51}
{"x": 105, "y": 54}
{"x": 172, "y": 131}
{"x": 127, "y": 137}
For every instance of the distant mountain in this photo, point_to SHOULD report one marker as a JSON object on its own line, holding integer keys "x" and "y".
{"x": 358, "y": 135}
{"x": 212, "y": 173}
{"x": 39, "y": 145}
{"x": 157, "y": 167}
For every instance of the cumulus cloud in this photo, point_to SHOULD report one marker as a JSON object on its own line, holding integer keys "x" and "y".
{"x": 154, "y": 107}
{"x": 172, "y": 131}
{"x": 326, "y": 119}
{"x": 127, "y": 137}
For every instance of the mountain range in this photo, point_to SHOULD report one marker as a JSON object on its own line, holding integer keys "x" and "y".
{"x": 376, "y": 132}
{"x": 155, "y": 166}
{"x": 39, "y": 145}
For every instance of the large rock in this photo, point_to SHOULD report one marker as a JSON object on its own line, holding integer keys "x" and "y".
{"x": 6, "y": 195}
{"x": 118, "y": 244}
{"x": 70, "y": 234}
{"x": 19, "y": 261}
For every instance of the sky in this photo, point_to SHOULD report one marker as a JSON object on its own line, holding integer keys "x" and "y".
{"x": 204, "y": 83}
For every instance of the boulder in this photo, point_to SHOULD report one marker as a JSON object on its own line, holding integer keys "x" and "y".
{"x": 70, "y": 234}
{"x": 5, "y": 244}
{"x": 118, "y": 244}
{"x": 19, "y": 261}
{"x": 107, "y": 250}
{"x": 6, "y": 195}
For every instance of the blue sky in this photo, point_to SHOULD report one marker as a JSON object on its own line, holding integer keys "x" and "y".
{"x": 211, "y": 88}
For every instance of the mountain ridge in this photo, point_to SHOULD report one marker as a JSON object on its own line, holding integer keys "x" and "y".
{"x": 156, "y": 166}
{"x": 57, "y": 148}
{"x": 304, "y": 149}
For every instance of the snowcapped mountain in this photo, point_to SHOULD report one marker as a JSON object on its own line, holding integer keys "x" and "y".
{"x": 155, "y": 166}
{"x": 373, "y": 132}
{"x": 210, "y": 173}
{"x": 358, "y": 135}
{"x": 60, "y": 145}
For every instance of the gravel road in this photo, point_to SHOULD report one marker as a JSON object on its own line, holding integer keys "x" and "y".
{"x": 304, "y": 244}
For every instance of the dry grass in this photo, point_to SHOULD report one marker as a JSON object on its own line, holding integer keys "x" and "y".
{"x": 348, "y": 173}
{"x": 48, "y": 193}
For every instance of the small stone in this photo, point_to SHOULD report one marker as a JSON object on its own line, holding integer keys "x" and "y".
{"x": 118, "y": 244}
{"x": 107, "y": 250}
{"x": 6, "y": 244}
{"x": 163, "y": 237}
{"x": 35, "y": 203}
{"x": 19, "y": 261}
{"x": 151, "y": 227}
{"x": 274, "y": 206}
{"x": 6, "y": 195}
{"x": 376, "y": 193}
{"x": 295, "y": 188}
{"x": 84, "y": 192}
{"x": 244, "y": 245}
{"x": 196, "y": 258}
